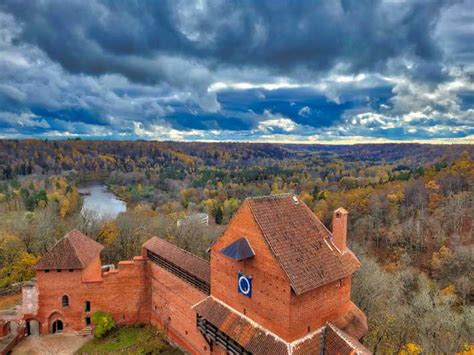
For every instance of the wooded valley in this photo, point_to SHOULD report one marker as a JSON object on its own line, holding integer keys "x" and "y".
{"x": 411, "y": 215}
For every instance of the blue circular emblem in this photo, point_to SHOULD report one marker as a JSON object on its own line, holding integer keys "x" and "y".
{"x": 244, "y": 284}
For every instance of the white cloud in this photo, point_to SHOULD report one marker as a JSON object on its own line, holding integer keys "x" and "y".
{"x": 220, "y": 85}
{"x": 23, "y": 120}
{"x": 277, "y": 124}
{"x": 304, "y": 111}
{"x": 273, "y": 123}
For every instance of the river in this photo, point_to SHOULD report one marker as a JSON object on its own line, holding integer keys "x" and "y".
{"x": 101, "y": 201}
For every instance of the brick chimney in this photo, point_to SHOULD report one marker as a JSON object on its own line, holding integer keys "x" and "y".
{"x": 339, "y": 228}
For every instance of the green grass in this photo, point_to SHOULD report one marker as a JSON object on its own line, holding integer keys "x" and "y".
{"x": 130, "y": 340}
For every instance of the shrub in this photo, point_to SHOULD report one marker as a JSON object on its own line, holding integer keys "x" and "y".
{"x": 103, "y": 323}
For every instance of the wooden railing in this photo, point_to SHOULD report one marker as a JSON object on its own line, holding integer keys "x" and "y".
{"x": 201, "y": 285}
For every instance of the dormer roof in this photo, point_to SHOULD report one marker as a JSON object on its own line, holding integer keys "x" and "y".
{"x": 239, "y": 250}
{"x": 300, "y": 242}
{"x": 73, "y": 251}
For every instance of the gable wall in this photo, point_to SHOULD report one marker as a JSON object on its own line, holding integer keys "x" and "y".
{"x": 270, "y": 302}
{"x": 314, "y": 308}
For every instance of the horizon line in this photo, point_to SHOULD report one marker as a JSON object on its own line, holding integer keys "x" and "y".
{"x": 287, "y": 142}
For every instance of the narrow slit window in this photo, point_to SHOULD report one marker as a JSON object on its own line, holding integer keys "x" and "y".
{"x": 65, "y": 301}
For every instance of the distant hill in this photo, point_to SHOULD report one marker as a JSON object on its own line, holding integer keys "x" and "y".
{"x": 25, "y": 157}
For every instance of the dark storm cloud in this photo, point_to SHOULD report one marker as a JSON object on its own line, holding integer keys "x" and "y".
{"x": 248, "y": 70}
{"x": 127, "y": 36}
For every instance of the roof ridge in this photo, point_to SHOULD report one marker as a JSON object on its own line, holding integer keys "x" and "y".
{"x": 279, "y": 195}
{"x": 64, "y": 237}
{"x": 174, "y": 245}
{"x": 71, "y": 245}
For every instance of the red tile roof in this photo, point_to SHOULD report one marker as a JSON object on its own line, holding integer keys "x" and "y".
{"x": 73, "y": 251}
{"x": 190, "y": 263}
{"x": 259, "y": 340}
{"x": 240, "y": 329}
{"x": 337, "y": 341}
{"x": 300, "y": 242}
{"x": 354, "y": 322}
{"x": 310, "y": 345}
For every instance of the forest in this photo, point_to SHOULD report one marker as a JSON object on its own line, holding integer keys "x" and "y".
{"x": 411, "y": 215}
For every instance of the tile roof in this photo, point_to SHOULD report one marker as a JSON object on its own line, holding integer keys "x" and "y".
{"x": 190, "y": 263}
{"x": 73, "y": 251}
{"x": 300, "y": 242}
{"x": 259, "y": 340}
{"x": 310, "y": 345}
{"x": 354, "y": 322}
{"x": 240, "y": 329}
{"x": 337, "y": 341}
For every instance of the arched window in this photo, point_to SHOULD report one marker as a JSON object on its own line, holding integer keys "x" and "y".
{"x": 65, "y": 301}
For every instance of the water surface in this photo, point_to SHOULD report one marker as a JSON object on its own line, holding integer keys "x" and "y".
{"x": 101, "y": 201}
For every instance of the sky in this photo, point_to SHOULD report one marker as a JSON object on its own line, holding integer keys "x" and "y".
{"x": 348, "y": 71}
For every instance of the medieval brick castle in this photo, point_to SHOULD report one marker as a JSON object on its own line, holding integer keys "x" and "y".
{"x": 278, "y": 282}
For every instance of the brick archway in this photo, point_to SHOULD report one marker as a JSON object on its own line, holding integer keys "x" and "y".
{"x": 56, "y": 322}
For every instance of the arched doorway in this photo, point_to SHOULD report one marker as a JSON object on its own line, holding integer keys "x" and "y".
{"x": 57, "y": 326}
{"x": 56, "y": 322}
{"x": 32, "y": 327}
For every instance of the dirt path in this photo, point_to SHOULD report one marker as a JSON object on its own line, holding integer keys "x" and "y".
{"x": 63, "y": 344}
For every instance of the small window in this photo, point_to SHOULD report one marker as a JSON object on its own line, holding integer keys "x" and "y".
{"x": 58, "y": 270}
{"x": 71, "y": 270}
{"x": 47, "y": 270}
{"x": 65, "y": 301}
{"x": 87, "y": 306}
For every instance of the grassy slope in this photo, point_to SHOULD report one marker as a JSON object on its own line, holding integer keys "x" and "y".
{"x": 130, "y": 340}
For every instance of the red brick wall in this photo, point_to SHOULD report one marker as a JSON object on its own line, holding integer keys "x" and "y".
{"x": 339, "y": 228}
{"x": 171, "y": 302}
{"x": 273, "y": 304}
{"x": 314, "y": 308}
{"x": 93, "y": 271}
{"x": 270, "y": 302}
{"x": 123, "y": 292}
